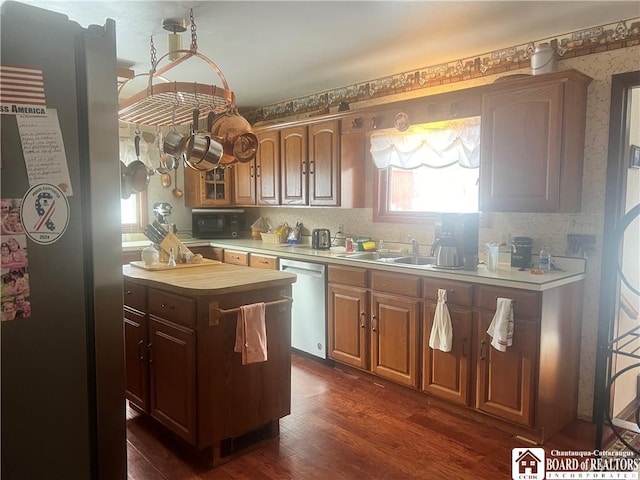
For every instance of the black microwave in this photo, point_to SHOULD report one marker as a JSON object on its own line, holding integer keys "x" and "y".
{"x": 216, "y": 223}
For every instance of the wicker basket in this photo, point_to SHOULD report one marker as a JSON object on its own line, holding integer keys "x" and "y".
{"x": 272, "y": 238}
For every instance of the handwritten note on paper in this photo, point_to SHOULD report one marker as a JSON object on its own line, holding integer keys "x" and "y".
{"x": 43, "y": 150}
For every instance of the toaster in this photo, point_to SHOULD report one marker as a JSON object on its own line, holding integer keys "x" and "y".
{"x": 321, "y": 239}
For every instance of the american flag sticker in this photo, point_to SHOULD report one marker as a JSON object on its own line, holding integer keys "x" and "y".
{"x": 21, "y": 91}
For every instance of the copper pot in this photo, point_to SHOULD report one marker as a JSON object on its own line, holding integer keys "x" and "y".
{"x": 245, "y": 147}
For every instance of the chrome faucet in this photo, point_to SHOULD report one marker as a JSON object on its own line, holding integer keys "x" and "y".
{"x": 415, "y": 249}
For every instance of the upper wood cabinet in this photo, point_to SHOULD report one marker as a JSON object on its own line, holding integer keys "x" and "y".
{"x": 324, "y": 163}
{"x": 244, "y": 183}
{"x": 294, "y": 165}
{"x": 307, "y": 163}
{"x": 268, "y": 168}
{"x": 532, "y": 142}
{"x": 207, "y": 189}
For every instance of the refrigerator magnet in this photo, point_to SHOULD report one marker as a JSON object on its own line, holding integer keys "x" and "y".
{"x": 44, "y": 213}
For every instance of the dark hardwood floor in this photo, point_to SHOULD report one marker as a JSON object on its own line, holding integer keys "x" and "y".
{"x": 345, "y": 427}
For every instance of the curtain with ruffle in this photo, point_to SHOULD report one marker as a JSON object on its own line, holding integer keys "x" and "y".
{"x": 433, "y": 145}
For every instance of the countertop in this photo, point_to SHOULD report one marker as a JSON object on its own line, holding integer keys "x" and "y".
{"x": 209, "y": 280}
{"x": 573, "y": 269}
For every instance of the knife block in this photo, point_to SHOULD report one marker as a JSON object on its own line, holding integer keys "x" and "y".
{"x": 169, "y": 242}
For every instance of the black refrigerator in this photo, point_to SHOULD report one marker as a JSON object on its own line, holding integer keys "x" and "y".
{"x": 62, "y": 362}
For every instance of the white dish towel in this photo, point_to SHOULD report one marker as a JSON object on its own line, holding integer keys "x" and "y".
{"x": 441, "y": 332}
{"x": 501, "y": 328}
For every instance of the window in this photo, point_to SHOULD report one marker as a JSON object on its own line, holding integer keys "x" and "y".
{"x": 430, "y": 168}
{"x": 134, "y": 212}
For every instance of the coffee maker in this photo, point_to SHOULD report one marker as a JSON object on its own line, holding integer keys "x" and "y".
{"x": 456, "y": 242}
{"x": 521, "y": 252}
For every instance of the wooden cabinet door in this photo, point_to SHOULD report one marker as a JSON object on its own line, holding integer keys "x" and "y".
{"x": 324, "y": 163}
{"x": 136, "y": 360}
{"x": 268, "y": 169}
{"x": 293, "y": 158}
{"x": 521, "y": 141}
{"x": 207, "y": 189}
{"x": 244, "y": 183}
{"x": 506, "y": 380}
{"x": 172, "y": 360}
{"x": 349, "y": 325}
{"x": 448, "y": 374}
{"x": 394, "y": 338}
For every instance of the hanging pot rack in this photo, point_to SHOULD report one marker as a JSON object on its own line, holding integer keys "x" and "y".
{"x": 173, "y": 103}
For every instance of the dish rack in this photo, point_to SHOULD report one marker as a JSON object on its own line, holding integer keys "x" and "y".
{"x": 173, "y": 103}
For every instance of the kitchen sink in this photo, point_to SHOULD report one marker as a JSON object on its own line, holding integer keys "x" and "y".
{"x": 390, "y": 257}
{"x": 416, "y": 260}
{"x": 377, "y": 256}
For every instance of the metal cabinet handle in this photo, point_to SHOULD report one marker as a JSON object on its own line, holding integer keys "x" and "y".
{"x": 149, "y": 348}
{"x": 374, "y": 323}
{"x": 127, "y": 292}
{"x": 257, "y": 170}
{"x": 263, "y": 261}
{"x": 140, "y": 350}
{"x": 363, "y": 323}
{"x": 304, "y": 168}
{"x": 483, "y": 344}
{"x": 164, "y": 305}
{"x": 311, "y": 169}
{"x": 251, "y": 171}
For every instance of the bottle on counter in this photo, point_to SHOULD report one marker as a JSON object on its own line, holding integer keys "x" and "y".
{"x": 172, "y": 259}
{"x": 544, "y": 259}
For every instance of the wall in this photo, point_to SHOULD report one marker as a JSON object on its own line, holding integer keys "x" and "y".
{"x": 550, "y": 229}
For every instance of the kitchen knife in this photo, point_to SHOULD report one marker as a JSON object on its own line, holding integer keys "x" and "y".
{"x": 151, "y": 234}
{"x": 159, "y": 229}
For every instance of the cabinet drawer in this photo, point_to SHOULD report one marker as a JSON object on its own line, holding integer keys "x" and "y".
{"x": 458, "y": 293}
{"x": 263, "y": 261}
{"x": 524, "y": 303}
{"x": 355, "y": 277}
{"x": 394, "y": 283}
{"x": 135, "y": 296}
{"x": 174, "y": 308}
{"x": 236, "y": 258}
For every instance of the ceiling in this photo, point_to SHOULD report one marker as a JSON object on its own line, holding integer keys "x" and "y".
{"x": 271, "y": 51}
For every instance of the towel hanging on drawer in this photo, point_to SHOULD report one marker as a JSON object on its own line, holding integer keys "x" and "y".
{"x": 501, "y": 328}
{"x": 441, "y": 332}
{"x": 251, "y": 333}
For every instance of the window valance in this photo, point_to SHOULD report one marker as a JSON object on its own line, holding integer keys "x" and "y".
{"x": 434, "y": 145}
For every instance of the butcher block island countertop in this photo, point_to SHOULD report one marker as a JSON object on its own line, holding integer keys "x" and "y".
{"x": 217, "y": 279}
{"x": 181, "y": 367}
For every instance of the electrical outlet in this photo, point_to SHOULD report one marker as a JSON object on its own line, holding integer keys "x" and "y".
{"x": 505, "y": 240}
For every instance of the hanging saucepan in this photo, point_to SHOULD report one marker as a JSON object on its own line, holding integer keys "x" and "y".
{"x": 125, "y": 181}
{"x": 203, "y": 152}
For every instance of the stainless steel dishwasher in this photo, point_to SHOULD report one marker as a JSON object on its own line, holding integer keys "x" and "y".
{"x": 308, "y": 314}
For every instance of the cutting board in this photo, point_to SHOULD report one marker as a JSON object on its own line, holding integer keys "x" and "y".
{"x": 163, "y": 266}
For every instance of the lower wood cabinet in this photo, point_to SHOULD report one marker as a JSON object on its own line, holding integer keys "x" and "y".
{"x": 506, "y": 380}
{"x": 182, "y": 370}
{"x": 381, "y": 322}
{"x": 394, "y": 338}
{"x": 448, "y": 375}
{"x": 373, "y": 329}
{"x": 349, "y": 325}
{"x": 172, "y": 374}
{"x": 268, "y": 262}
{"x": 236, "y": 257}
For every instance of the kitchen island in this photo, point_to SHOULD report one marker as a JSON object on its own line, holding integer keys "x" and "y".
{"x": 180, "y": 332}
